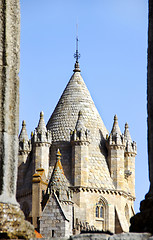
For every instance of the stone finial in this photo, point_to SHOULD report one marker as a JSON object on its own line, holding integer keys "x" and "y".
{"x": 23, "y": 134}
{"x": 41, "y": 125}
{"x": 24, "y": 143}
{"x": 127, "y": 133}
{"x": 115, "y": 136}
{"x": 130, "y": 145}
{"x": 115, "y": 128}
{"x": 41, "y": 134}
{"x": 58, "y": 155}
{"x": 76, "y": 67}
{"x": 80, "y": 132}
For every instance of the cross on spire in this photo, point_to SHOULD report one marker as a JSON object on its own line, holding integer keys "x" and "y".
{"x": 77, "y": 54}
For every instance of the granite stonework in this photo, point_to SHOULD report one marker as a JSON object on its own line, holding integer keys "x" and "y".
{"x": 122, "y": 236}
{"x": 12, "y": 223}
{"x": 104, "y": 236}
{"x": 78, "y": 176}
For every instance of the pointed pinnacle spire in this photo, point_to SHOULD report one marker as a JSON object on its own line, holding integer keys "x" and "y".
{"x": 23, "y": 134}
{"x": 115, "y": 128}
{"x": 41, "y": 124}
{"x": 58, "y": 177}
{"x": 77, "y": 55}
{"x": 80, "y": 122}
{"x": 127, "y": 133}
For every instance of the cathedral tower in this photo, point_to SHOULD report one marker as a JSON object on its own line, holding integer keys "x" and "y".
{"x": 80, "y": 169}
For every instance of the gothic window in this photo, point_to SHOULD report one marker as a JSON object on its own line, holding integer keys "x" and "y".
{"x": 100, "y": 210}
{"x": 101, "y": 213}
{"x": 97, "y": 211}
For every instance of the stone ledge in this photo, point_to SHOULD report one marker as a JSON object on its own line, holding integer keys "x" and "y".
{"x": 102, "y": 236}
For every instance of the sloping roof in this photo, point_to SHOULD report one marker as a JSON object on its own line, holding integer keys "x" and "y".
{"x": 38, "y": 235}
{"x": 74, "y": 99}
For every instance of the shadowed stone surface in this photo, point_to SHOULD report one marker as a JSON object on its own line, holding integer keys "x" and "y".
{"x": 12, "y": 224}
{"x": 122, "y": 236}
{"x": 143, "y": 221}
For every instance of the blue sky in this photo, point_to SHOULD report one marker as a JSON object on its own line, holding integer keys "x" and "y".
{"x": 113, "y": 47}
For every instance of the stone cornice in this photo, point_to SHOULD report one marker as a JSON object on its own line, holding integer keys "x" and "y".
{"x": 24, "y": 152}
{"x": 80, "y": 143}
{"x": 103, "y": 191}
{"x": 116, "y": 146}
{"x": 130, "y": 154}
{"x": 41, "y": 144}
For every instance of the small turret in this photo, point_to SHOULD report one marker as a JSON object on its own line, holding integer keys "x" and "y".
{"x": 80, "y": 133}
{"x": 23, "y": 138}
{"x": 58, "y": 183}
{"x": 41, "y": 140}
{"x": 41, "y": 134}
{"x": 24, "y": 144}
{"x": 130, "y": 145}
{"x": 80, "y": 143}
{"x": 116, "y": 147}
{"x": 116, "y": 138}
{"x": 130, "y": 153}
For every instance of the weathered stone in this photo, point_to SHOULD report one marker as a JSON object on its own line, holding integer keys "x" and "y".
{"x": 90, "y": 236}
{"x": 143, "y": 221}
{"x": 130, "y": 236}
{"x": 12, "y": 223}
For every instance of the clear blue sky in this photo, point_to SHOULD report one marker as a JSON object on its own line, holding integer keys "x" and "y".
{"x": 113, "y": 47}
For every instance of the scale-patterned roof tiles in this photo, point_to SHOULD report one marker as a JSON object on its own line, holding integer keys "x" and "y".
{"x": 75, "y": 98}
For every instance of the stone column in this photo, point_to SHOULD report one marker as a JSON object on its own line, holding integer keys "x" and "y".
{"x": 150, "y": 98}
{"x": 142, "y": 222}
{"x": 9, "y": 118}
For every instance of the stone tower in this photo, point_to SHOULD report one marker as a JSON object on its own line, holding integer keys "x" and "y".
{"x": 91, "y": 181}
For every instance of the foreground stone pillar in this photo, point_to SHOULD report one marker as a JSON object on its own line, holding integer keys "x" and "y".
{"x": 12, "y": 224}
{"x": 143, "y": 221}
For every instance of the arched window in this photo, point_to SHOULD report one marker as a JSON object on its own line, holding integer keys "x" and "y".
{"x": 101, "y": 212}
{"x": 97, "y": 211}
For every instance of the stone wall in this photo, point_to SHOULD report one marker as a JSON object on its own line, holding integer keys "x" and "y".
{"x": 56, "y": 220}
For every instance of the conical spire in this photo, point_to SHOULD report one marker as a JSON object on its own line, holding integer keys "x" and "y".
{"x": 127, "y": 133}
{"x": 41, "y": 125}
{"x": 115, "y": 128}
{"x": 23, "y": 136}
{"x": 63, "y": 121}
